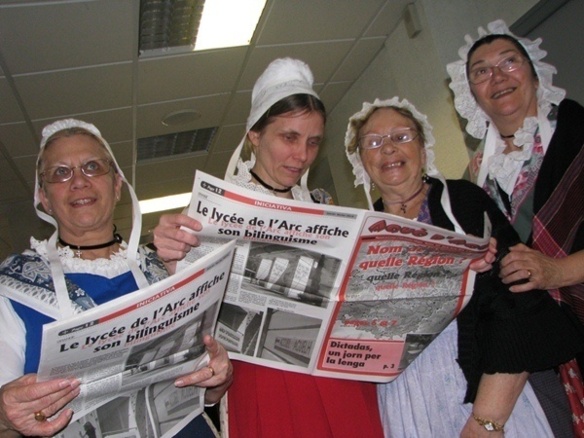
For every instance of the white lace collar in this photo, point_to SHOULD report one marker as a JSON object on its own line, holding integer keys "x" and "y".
{"x": 505, "y": 168}
{"x": 109, "y": 268}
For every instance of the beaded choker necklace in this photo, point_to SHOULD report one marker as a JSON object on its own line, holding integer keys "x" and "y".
{"x": 79, "y": 248}
{"x": 267, "y": 186}
{"x": 506, "y": 137}
{"x": 404, "y": 206}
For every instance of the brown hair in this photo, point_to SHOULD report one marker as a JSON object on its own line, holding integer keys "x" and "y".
{"x": 295, "y": 103}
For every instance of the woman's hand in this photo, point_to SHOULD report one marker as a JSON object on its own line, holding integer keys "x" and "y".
{"x": 22, "y": 398}
{"x": 535, "y": 270}
{"x": 171, "y": 241}
{"x": 216, "y": 376}
{"x": 486, "y": 263}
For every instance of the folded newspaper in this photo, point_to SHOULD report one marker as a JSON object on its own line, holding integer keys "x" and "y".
{"x": 326, "y": 290}
{"x": 128, "y": 352}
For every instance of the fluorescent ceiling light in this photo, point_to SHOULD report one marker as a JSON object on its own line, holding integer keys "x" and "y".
{"x": 228, "y": 23}
{"x": 165, "y": 203}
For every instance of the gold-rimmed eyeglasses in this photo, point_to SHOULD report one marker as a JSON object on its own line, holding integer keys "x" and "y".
{"x": 483, "y": 73}
{"x": 62, "y": 173}
{"x": 397, "y": 136}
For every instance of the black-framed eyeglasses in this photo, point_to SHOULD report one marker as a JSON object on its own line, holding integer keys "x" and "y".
{"x": 483, "y": 73}
{"x": 62, "y": 173}
{"x": 397, "y": 136}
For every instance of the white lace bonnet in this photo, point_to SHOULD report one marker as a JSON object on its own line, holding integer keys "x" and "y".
{"x": 465, "y": 102}
{"x": 65, "y": 305}
{"x": 282, "y": 78}
{"x": 361, "y": 177}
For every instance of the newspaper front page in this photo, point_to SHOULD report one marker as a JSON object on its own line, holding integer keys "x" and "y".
{"x": 128, "y": 352}
{"x": 330, "y": 291}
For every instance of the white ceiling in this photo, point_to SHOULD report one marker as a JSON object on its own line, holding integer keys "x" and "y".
{"x": 79, "y": 58}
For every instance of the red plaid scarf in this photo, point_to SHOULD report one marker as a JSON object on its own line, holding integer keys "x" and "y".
{"x": 554, "y": 228}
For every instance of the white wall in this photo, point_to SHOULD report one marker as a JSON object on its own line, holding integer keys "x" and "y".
{"x": 563, "y": 39}
{"x": 415, "y": 69}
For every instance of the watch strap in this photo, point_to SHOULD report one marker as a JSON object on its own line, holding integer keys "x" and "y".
{"x": 490, "y": 425}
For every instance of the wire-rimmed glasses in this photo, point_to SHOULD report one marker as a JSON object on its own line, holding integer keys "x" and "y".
{"x": 397, "y": 136}
{"x": 62, "y": 173}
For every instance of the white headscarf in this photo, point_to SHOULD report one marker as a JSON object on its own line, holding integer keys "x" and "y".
{"x": 282, "y": 78}
{"x": 362, "y": 177}
{"x": 65, "y": 305}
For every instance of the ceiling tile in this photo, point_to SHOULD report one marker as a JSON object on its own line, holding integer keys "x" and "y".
{"x": 11, "y": 111}
{"x": 318, "y": 20}
{"x": 68, "y": 34}
{"x": 76, "y": 91}
{"x": 211, "y": 109}
{"x": 18, "y": 140}
{"x": 181, "y": 76}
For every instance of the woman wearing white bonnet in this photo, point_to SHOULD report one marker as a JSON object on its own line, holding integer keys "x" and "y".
{"x": 470, "y": 378}
{"x": 283, "y": 134}
{"x": 531, "y": 162}
{"x": 84, "y": 264}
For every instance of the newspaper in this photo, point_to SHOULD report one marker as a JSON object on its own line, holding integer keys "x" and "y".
{"x": 330, "y": 291}
{"x": 128, "y": 352}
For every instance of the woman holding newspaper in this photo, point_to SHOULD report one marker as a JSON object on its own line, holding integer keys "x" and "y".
{"x": 84, "y": 264}
{"x": 499, "y": 337}
{"x": 530, "y": 161}
{"x": 284, "y": 131}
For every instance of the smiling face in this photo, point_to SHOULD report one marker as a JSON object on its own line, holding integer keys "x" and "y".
{"x": 286, "y": 147}
{"x": 396, "y": 169}
{"x": 507, "y": 97}
{"x": 83, "y": 206}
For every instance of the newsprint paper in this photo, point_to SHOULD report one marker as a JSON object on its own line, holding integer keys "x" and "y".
{"x": 330, "y": 291}
{"x": 128, "y": 352}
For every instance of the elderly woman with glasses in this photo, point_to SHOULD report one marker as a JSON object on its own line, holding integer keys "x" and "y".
{"x": 468, "y": 381}
{"x": 531, "y": 163}
{"x": 84, "y": 264}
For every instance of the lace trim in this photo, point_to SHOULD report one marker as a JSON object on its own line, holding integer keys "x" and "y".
{"x": 109, "y": 268}
{"x": 505, "y": 168}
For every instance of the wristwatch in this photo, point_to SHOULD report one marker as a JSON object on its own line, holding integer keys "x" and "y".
{"x": 490, "y": 425}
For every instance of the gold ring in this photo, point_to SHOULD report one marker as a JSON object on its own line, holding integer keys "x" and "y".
{"x": 39, "y": 416}
{"x": 212, "y": 371}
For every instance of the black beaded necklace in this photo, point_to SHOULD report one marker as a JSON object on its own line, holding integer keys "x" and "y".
{"x": 505, "y": 137}
{"x": 78, "y": 248}
{"x": 267, "y": 186}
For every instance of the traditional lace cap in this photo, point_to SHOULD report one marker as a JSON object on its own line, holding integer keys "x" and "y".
{"x": 464, "y": 101}
{"x": 361, "y": 177}
{"x": 282, "y": 78}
